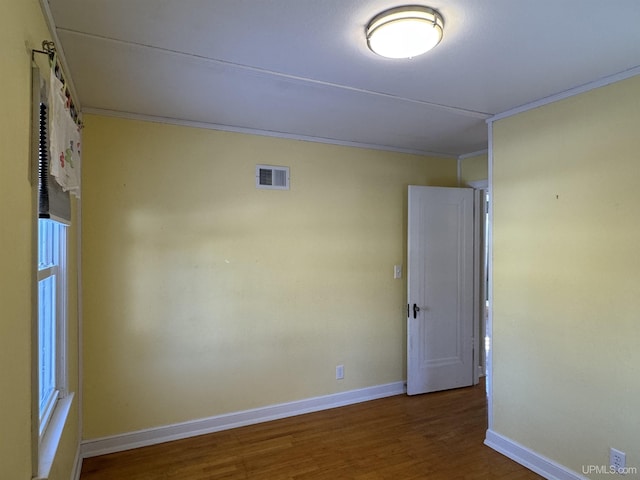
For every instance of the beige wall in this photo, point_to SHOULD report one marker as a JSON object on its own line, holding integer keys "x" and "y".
{"x": 566, "y": 282}
{"x": 22, "y": 27}
{"x": 204, "y": 295}
{"x": 473, "y": 169}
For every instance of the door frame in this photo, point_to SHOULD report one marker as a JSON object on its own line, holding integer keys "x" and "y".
{"x": 480, "y": 243}
{"x": 487, "y": 184}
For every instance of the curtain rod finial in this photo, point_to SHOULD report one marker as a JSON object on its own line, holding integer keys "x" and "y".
{"x": 49, "y": 46}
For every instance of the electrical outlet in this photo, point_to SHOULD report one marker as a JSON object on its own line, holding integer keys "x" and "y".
{"x": 339, "y": 372}
{"x": 617, "y": 460}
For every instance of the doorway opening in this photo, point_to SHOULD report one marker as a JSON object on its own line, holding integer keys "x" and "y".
{"x": 447, "y": 285}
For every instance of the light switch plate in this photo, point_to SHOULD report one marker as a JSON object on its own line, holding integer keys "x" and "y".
{"x": 397, "y": 271}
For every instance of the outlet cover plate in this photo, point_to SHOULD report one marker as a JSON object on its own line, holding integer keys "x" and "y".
{"x": 617, "y": 459}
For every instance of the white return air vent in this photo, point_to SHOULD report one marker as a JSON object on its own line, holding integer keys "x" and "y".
{"x": 268, "y": 176}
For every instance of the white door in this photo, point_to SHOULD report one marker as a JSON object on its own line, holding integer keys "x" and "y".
{"x": 440, "y": 289}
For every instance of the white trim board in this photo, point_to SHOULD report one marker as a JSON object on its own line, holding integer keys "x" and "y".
{"x": 489, "y": 324}
{"x": 617, "y": 77}
{"x": 479, "y": 184}
{"x": 152, "y": 436}
{"x": 532, "y": 460}
{"x": 263, "y": 133}
{"x": 77, "y": 465}
{"x": 473, "y": 154}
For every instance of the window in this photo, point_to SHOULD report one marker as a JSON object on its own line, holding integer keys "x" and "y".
{"x": 51, "y": 399}
{"x": 51, "y": 317}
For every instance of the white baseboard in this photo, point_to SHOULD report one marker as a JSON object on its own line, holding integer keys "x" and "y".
{"x": 530, "y": 459}
{"x": 152, "y": 436}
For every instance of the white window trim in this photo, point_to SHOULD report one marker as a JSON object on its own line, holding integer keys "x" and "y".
{"x": 50, "y": 428}
{"x": 61, "y": 314}
{"x": 51, "y": 438}
{"x": 59, "y": 270}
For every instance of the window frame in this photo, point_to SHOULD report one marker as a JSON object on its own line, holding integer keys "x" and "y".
{"x": 55, "y": 266}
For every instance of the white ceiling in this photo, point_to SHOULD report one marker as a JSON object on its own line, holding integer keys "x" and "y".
{"x": 302, "y": 68}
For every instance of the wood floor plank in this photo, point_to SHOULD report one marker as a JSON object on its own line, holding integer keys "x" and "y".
{"x": 438, "y": 436}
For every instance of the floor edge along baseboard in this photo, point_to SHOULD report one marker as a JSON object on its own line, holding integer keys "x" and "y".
{"x": 532, "y": 460}
{"x": 153, "y": 436}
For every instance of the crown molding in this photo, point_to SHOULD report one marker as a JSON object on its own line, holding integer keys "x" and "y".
{"x": 473, "y": 154}
{"x": 253, "y": 131}
{"x": 632, "y": 72}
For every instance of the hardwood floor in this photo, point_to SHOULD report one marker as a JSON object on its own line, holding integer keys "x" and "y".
{"x": 436, "y": 436}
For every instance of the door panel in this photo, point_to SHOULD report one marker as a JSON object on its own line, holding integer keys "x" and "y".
{"x": 440, "y": 285}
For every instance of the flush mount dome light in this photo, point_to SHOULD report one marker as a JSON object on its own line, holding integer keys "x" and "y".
{"x": 405, "y": 32}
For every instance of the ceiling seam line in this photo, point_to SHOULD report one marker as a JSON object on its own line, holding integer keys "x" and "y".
{"x": 456, "y": 110}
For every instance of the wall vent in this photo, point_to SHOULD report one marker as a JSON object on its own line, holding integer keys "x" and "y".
{"x": 268, "y": 176}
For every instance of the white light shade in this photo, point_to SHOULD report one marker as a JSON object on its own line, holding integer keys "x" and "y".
{"x": 405, "y": 32}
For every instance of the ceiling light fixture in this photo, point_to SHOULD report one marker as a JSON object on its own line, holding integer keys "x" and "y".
{"x": 405, "y": 32}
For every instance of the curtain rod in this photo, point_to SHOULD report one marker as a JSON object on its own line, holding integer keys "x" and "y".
{"x": 49, "y": 49}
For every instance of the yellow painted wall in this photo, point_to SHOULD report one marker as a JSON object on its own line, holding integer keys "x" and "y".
{"x": 204, "y": 295}
{"x": 474, "y": 168}
{"x": 22, "y": 27}
{"x": 566, "y": 277}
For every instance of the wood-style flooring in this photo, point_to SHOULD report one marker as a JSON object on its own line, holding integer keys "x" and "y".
{"x": 437, "y": 436}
